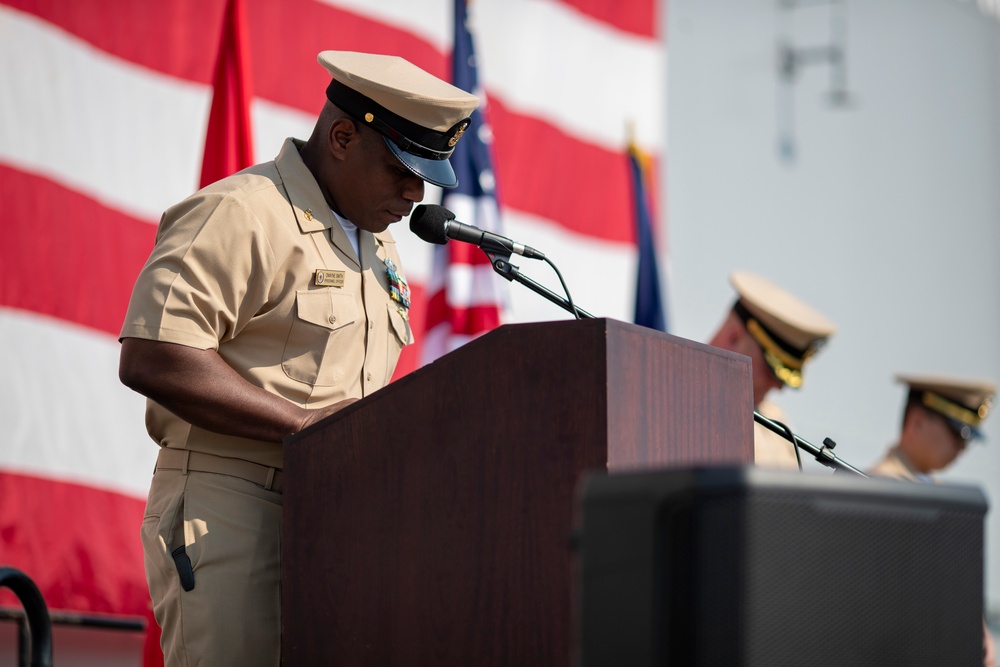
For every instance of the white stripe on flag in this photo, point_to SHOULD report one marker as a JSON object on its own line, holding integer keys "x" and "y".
{"x": 442, "y": 338}
{"x": 470, "y": 285}
{"x": 577, "y": 73}
{"x": 272, "y": 123}
{"x": 92, "y": 110}
{"x": 600, "y": 274}
{"x": 70, "y": 436}
{"x": 479, "y": 211}
{"x": 429, "y": 19}
{"x": 105, "y": 95}
{"x": 560, "y": 57}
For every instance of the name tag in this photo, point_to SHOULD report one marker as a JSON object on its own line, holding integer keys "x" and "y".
{"x": 329, "y": 278}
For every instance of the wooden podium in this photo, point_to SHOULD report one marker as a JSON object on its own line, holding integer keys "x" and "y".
{"x": 431, "y": 523}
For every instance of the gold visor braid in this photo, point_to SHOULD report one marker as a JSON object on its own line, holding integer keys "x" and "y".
{"x": 953, "y": 410}
{"x": 770, "y": 346}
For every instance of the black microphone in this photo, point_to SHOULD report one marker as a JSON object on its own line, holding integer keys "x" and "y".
{"x": 436, "y": 224}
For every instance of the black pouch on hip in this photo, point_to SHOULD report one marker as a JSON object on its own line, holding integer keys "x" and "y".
{"x": 184, "y": 569}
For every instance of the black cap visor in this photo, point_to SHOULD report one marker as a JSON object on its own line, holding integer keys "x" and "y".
{"x": 422, "y": 150}
{"x": 437, "y": 172}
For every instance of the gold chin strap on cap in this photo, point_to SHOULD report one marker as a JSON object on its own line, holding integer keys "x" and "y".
{"x": 792, "y": 378}
{"x": 786, "y": 368}
{"x": 953, "y": 410}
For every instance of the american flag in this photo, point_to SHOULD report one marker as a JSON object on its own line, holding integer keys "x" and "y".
{"x": 103, "y": 120}
{"x": 464, "y": 297}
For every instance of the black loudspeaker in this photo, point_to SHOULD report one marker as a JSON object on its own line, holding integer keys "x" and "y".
{"x": 745, "y": 567}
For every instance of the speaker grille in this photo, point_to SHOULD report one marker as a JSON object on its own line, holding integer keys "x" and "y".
{"x": 740, "y": 567}
{"x": 795, "y": 578}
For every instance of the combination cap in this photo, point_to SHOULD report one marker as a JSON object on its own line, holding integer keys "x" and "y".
{"x": 964, "y": 403}
{"x": 788, "y": 330}
{"x": 419, "y": 116}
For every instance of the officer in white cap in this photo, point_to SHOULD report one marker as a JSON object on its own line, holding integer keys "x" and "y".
{"x": 271, "y": 299}
{"x": 940, "y": 417}
{"x": 780, "y": 333}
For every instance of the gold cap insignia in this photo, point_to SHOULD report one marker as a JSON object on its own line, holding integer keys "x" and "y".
{"x": 458, "y": 135}
{"x": 984, "y": 409}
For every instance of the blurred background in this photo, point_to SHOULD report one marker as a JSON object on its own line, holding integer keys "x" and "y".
{"x": 865, "y": 181}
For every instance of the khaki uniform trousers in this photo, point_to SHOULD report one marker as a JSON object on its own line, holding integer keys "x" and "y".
{"x": 230, "y": 529}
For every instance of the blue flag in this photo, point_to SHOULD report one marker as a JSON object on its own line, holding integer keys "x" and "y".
{"x": 649, "y": 310}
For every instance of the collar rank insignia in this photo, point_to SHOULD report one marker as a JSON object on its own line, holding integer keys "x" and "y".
{"x": 399, "y": 291}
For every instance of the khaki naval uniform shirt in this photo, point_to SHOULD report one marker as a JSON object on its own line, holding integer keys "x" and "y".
{"x": 770, "y": 450}
{"x": 234, "y": 270}
{"x": 895, "y": 464}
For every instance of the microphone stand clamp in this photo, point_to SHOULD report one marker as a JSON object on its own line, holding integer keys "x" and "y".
{"x": 500, "y": 259}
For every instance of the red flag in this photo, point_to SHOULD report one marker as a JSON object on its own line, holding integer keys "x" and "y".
{"x": 228, "y": 144}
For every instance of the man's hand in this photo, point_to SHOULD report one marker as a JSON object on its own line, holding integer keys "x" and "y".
{"x": 313, "y": 416}
{"x": 202, "y": 389}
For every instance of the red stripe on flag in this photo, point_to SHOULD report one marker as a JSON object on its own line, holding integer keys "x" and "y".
{"x": 468, "y": 321}
{"x": 591, "y": 199}
{"x": 145, "y": 33}
{"x": 295, "y": 31}
{"x": 291, "y": 75}
{"x": 584, "y": 187}
{"x": 80, "y": 545}
{"x": 51, "y": 243}
{"x": 640, "y": 18}
{"x": 466, "y": 253}
{"x": 33, "y": 267}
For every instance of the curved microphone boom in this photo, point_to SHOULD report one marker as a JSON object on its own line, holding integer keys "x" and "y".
{"x": 822, "y": 454}
{"x": 436, "y": 224}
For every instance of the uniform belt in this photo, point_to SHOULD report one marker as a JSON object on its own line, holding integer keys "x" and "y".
{"x": 271, "y": 479}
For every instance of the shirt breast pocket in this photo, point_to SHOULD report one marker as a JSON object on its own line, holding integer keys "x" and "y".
{"x": 400, "y": 325}
{"x": 321, "y": 340}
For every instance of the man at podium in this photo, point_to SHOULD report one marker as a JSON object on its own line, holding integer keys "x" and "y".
{"x": 271, "y": 299}
{"x": 780, "y": 333}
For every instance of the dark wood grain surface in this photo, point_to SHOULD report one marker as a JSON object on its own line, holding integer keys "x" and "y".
{"x": 430, "y": 523}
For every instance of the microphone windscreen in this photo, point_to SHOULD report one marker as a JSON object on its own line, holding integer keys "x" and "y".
{"x": 428, "y": 223}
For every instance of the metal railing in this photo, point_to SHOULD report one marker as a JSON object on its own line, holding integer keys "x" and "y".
{"x": 39, "y": 625}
